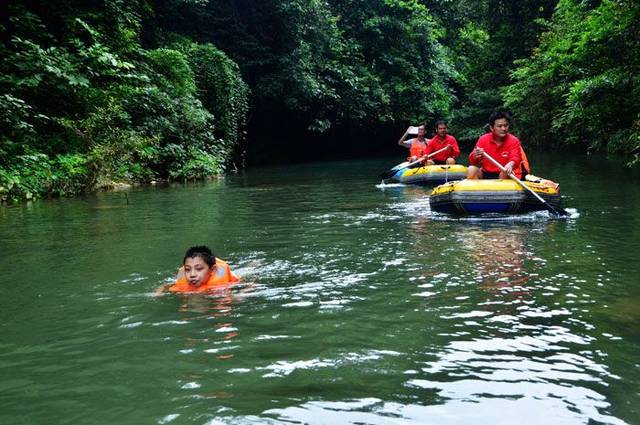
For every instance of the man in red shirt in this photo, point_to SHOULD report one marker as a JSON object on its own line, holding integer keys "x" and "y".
{"x": 442, "y": 140}
{"x": 501, "y": 146}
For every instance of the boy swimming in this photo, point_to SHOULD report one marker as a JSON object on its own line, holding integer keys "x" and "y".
{"x": 201, "y": 271}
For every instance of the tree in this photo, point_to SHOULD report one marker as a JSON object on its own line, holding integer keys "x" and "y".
{"x": 485, "y": 38}
{"x": 581, "y": 86}
{"x": 84, "y": 104}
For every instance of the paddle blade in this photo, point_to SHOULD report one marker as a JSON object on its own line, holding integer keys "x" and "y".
{"x": 556, "y": 210}
{"x": 388, "y": 174}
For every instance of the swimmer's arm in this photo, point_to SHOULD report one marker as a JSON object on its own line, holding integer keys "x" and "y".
{"x": 245, "y": 289}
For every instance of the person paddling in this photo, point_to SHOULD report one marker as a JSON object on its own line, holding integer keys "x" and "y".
{"x": 525, "y": 168}
{"x": 442, "y": 140}
{"x": 201, "y": 271}
{"x": 499, "y": 144}
{"x": 417, "y": 145}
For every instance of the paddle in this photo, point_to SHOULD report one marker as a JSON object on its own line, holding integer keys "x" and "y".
{"x": 549, "y": 207}
{"x": 389, "y": 173}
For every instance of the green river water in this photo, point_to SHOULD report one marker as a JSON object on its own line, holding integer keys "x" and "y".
{"x": 363, "y": 306}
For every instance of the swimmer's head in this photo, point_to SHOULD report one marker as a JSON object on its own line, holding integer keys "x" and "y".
{"x": 198, "y": 264}
{"x": 203, "y": 252}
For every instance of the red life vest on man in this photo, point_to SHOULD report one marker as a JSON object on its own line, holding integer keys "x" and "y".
{"x": 221, "y": 277}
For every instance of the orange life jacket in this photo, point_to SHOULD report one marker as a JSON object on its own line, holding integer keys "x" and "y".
{"x": 524, "y": 163}
{"x": 417, "y": 149}
{"x": 222, "y": 276}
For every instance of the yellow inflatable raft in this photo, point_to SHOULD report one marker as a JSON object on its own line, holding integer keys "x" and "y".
{"x": 494, "y": 196}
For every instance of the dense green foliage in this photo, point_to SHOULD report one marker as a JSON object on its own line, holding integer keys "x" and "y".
{"x": 321, "y": 66}
{"x": 582, "y": 84}
{"x": 398, "y": 42}
{"x": 485, "y": 38}
{"x": 107, "y": 91}
{"x": 84, "y": 104}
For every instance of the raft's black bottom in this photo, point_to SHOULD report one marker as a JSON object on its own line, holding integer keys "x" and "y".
{"x": 483, "y": 203}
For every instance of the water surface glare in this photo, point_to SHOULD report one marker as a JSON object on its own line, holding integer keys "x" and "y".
{"x": 361, "y": 306}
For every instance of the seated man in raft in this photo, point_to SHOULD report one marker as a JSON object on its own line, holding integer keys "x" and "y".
{"x": 525, "y": 168}
{"x": 416, "y": 146}
{"x": 501, "y": 145}
{"x": 201, "y": 271}
{"x": 439, "y": 141}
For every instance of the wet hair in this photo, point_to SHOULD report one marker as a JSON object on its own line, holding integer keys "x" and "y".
{"x": 496, "y": 115}
{"x": 441, "y": 122}
{"x": 200, "y": 251}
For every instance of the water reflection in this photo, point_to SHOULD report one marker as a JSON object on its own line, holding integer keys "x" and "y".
{"x": 507, "y": 350}
{"x": 217, "y": 306}
{"x": 498, "y": 258}
{"x": 217, "y": 309}
{"x": 497, "y": 410}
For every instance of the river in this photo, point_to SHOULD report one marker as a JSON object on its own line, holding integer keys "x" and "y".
{"x": 361, "y": 306}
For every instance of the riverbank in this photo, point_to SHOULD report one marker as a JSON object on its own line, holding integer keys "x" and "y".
{"x": 36, "y": 176}
{"x": 109, "y": 186}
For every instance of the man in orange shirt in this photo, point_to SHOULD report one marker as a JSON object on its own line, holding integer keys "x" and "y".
{"x": 502, "y": 146}
{"x": 439, "y": 141}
